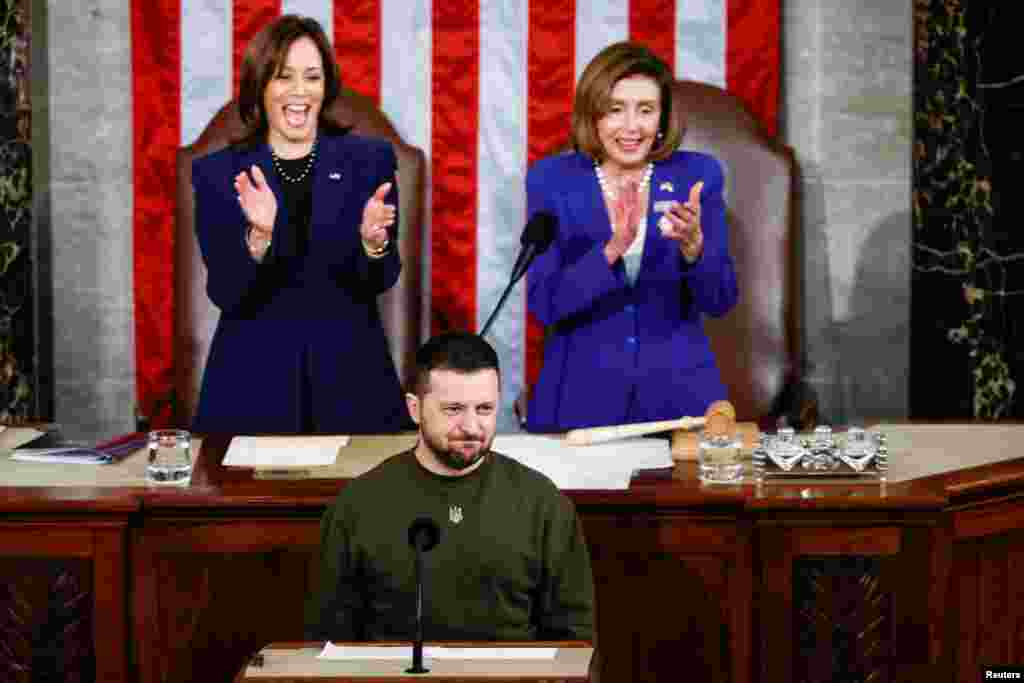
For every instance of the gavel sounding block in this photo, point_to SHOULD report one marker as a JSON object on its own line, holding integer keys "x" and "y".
{"x": 684, "y": 442}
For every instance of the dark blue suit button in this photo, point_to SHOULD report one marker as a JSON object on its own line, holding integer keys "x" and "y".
{"x": 631, "y": 340}
{"x": 630, "y": 308}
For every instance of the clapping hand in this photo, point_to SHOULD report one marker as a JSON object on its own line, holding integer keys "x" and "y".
{"x": 625, "y": 215}
{"x": 377, "y": 218}
{"x": 682, "y": 224}
{"x": 257, "y": 200}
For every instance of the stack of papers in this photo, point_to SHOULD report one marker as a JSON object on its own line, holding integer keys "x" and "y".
{"x": 332, "y": 651}
{"x": 606, "y": 466}
{"x": 283, "y": 452}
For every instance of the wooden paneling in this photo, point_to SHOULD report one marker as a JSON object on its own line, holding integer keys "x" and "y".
{"x": 988, "y": 626}
{"x": 919, "y": 580}
{"x": 842, "y": 620}
{"x": 845, "y": 603}
{"x": 63, "y": 593}
{"x": 209, "y": 594}
{"x": 666, "y": 587}
{"x": 46, "y": 620}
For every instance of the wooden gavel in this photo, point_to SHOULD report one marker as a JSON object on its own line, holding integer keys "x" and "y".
{"x": 720, "y": 417}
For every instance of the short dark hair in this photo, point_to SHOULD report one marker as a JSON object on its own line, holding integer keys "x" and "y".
{"x": 265, "y": 55}
{"x": 462, "y": 352}
{"x": 594, "y": 93}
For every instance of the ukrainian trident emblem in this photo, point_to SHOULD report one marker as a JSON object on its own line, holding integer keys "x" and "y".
{"x": 455, "y": 513}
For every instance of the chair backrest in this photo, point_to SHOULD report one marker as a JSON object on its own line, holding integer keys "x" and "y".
{"x": 196, "y": 317}
{"x": 757, "y": 344}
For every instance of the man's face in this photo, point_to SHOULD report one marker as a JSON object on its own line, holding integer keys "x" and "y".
{"x": 457, "y": 416}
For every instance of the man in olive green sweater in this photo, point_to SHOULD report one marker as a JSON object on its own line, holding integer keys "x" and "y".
{"x": 511, "y": 564}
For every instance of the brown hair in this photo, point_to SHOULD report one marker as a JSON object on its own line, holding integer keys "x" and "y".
{"x": 265, "y": 55}
{"x": 593, "y": 98}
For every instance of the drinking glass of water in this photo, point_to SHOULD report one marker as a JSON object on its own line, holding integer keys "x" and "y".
{"x": 170, "y": 457}
{"x": 718, "y": 458}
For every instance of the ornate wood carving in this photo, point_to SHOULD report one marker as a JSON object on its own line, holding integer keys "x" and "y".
{"x": 46, "y": 633}
{"x": 842, "y": 621}
{"x": 15, "y": 634}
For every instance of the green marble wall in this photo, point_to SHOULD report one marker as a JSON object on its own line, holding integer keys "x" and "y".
{"x": 17, "y": 341}
{"x": 968, "y": 254}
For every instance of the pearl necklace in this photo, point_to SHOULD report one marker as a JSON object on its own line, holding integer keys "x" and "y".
{"x": 610, "y": 191}
{"x": 305, "y": 171}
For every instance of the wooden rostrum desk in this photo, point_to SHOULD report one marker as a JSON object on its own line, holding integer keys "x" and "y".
{"x": 916, "y": 580}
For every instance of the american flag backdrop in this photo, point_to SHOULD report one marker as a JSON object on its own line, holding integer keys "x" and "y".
{"x": 483, "y": 87}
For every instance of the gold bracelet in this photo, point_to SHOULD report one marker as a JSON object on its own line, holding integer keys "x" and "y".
{"x": 257, "y": 247}
{"x": 377, "y": 253}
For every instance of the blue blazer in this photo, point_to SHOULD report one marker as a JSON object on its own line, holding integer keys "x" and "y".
{"x": 299, "y": 346}
{"x": 618, "y": 353}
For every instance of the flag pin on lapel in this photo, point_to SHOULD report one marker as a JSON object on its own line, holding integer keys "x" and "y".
{"x": 666, "y": 187}
{"x": 335, "y": 176}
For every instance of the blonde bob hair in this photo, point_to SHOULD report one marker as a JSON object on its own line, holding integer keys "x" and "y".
{"x": 594, "y": 98}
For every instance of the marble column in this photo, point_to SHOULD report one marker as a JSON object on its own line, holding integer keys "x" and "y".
{"x": 847, "y": 111}
{"x": 91, "y": 197}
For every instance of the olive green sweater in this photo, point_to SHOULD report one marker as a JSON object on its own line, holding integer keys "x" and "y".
{"x": 512, "y": 563}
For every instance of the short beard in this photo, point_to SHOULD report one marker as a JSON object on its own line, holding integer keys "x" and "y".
{"x": 451, "y": 458}
{"x": 455, "y": 462}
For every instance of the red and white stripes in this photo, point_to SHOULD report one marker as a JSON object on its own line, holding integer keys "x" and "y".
{"x": 484, "y": 88}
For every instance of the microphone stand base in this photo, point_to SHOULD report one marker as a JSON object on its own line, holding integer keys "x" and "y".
{"x": 417, "y": 670}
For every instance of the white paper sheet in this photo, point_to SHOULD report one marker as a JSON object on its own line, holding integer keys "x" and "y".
{"x": 490, "y": 652}
{"x": 606, "y": 466}
{"x": 282, "y": 452}
{"x": 332, "y": 651}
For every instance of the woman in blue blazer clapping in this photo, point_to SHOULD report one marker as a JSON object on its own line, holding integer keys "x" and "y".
{"x": 296, "y": 223}
{"x": 641, "y": 256}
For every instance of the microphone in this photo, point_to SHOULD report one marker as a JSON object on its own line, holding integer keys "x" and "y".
{"x": 537, "y": 236}
{"x": 539, "y": 233}
{"x": 424, "y": 535}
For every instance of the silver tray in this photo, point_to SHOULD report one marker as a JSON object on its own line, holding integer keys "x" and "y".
{"x": 833, "y": 463}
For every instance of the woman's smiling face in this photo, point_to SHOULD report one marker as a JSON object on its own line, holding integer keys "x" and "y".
{"x": 628, "y": 130}
{"x": 293, "y": 98}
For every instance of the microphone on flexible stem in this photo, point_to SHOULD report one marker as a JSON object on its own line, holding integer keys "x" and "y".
{"x": 537, "y": 236}
{"x": 424, "y": 534}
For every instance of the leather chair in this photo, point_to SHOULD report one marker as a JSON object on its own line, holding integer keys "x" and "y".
{"x": 758, "y": 344}
{"x": 196, "y": 317}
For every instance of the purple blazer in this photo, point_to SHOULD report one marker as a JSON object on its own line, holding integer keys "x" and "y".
{"x": 618, "y": 353}
{"x": 299, "y": 346}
